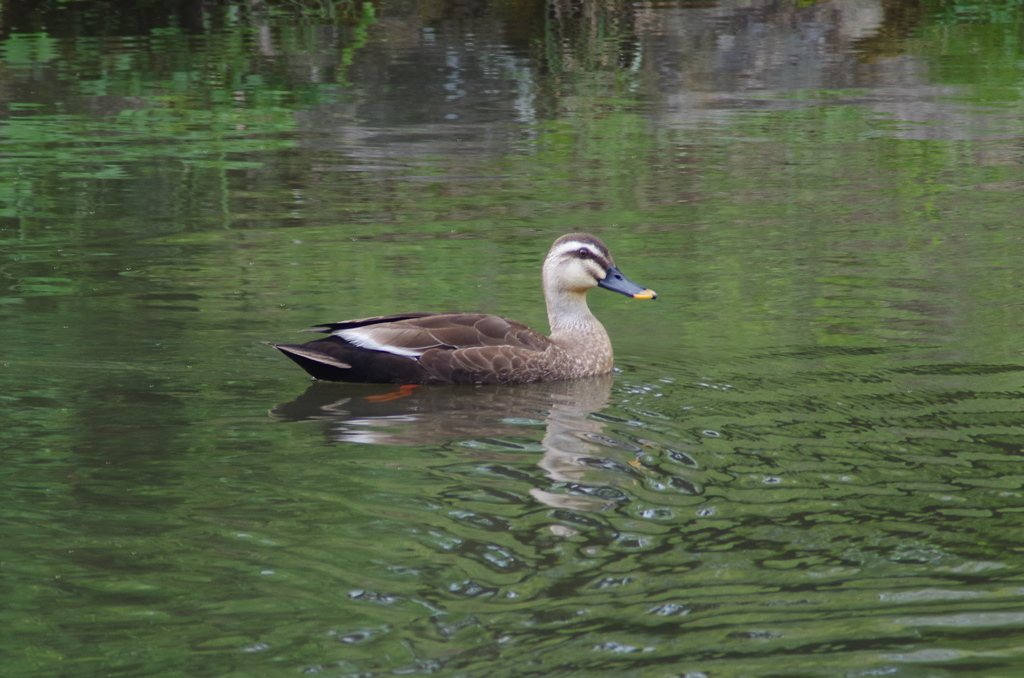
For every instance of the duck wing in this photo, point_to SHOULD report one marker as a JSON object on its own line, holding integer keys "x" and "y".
{"x": 413, "y": 334}
{"x": 460, "y": 348}
{"x": 328, "y": 328}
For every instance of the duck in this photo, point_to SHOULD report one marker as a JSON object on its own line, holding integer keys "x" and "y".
{"x": 476, "y": 348}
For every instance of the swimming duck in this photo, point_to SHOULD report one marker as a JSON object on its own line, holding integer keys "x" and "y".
{"x": 476, "y": 348}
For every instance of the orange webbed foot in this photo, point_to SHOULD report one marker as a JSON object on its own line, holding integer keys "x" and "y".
{"x": 403, "y": 391}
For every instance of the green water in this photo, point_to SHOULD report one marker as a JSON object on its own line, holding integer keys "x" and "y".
{"x": 809, "y": 459}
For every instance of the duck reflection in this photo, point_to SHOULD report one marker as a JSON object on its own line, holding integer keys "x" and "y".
{"x": 380, "y": 415}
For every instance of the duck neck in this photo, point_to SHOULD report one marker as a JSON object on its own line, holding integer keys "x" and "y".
{"x": 569, "y": 315}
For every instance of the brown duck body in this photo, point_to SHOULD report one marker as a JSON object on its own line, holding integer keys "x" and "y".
{"x": 474, "y": 348}
{"x": 454, "y": 348}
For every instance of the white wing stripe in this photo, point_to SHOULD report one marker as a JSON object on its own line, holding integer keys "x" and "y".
{"x": 363, "y": 339}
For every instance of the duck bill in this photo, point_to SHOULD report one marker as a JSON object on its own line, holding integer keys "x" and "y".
{"x": 616, "y": 282}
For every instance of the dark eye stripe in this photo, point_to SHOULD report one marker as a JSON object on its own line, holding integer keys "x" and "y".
{"x": 577, "y": 249}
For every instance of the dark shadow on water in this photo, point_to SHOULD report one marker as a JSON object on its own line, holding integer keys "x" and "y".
{"x": 438, "y": 415}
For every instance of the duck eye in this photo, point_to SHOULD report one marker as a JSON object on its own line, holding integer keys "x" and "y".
{"x": 583, "y": 253}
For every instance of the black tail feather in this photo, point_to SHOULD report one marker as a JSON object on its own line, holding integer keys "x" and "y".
{"x": 334, "y": 359}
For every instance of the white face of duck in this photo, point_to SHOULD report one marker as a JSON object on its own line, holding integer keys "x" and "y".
{"x": 577, "y": 264}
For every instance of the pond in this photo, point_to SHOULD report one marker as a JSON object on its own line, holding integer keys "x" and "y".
{"x": 808, "y": 461}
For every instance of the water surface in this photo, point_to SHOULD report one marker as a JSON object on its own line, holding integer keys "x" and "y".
{"x": 806, "y": 464}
